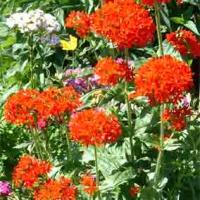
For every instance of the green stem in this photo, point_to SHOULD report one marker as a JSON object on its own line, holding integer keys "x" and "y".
{"x": 160, "y": 154}
{"x": 130, "y": 126}
{"x": 97, "y": 172}
{"x": 47, "y": 147}
{"x": 65, "y": 131}
{"x": 37, "y": 145}
{"x": 30, "y": 43}
{"x": 129, "y": 111}
{"x": 158, "y": 27}
{"x": 162, "y": 107}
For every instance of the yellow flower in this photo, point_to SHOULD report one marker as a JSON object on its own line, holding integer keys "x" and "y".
{"x": 69, "y": 45}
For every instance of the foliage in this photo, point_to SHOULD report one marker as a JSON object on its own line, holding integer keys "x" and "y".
{"x": 162, "y": 167}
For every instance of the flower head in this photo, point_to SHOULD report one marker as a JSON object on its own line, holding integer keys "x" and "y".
{"x": 70, "y": 45}
{"x": 89, "y": 184}
{"x": 125, "y": 23}
{"x": 61, "y": 189}
{"x": 33, "y": 108}
{"x": 29, "y": 170}
{"x": 33, "y": 21}
{"x": 94, "y": 127}
{"x": 176, "y": 117}
{"x": 110, "y": 72}
{"x": 5, "y": 188}
{"x": 134, "y": 190}
{"x": 185, "y": 42}
{"x": 19, "y": 108}
{"x": 159, "y": 79}
{"x": 80, "y": 21}
{"x": 60, "y": 100}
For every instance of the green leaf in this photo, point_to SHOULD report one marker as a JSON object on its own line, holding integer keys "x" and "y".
{"x": 149, "y": 193}
{"x": 4, "y": 30}
{"x": 192, "y": 26}
{"x": 170, "y": 50}
{"x": 117, "y": 179}
{"x": 178, "y": 20}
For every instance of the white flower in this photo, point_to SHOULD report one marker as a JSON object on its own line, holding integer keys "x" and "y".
{"x": 51, "y": 24}
{"x": 33, "y": 21}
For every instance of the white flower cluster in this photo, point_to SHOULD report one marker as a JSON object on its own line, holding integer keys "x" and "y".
{"x": 33, "y": 21}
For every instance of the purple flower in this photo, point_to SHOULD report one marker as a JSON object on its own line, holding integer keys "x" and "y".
{"x": 54, "y": 40}
{"x": 5, "y": 188}
{"x": 186, "y": 101}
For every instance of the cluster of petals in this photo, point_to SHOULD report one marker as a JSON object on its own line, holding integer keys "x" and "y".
{"x": 80, "y": 21}
{"x": 62, "y": 189}
{"x": 134, "y": 190}
{"x": 29, "y": 170}
{"x": 28, "y": 107}
{"x": 110, "y": 72}
{"x": 163, "y": 80}
{"x": 185, "y": 42}
{"x": 94, "y": 127}
{"x": 152, "y": 2}
{"x": 89, "y": 184}
{"x": 176, "y": 117}
{"x": 124, "y": 23}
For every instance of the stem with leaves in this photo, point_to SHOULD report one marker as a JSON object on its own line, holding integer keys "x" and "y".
{"x": 37, "y": 144}
{"x": 158, "y": 27}
{"x": 97, "y": 172}
{"x": 162, "y": 106}
{"x": 31, "y": 59}
{"x": 129, "y": 112}
{"x": 65, "y": 131}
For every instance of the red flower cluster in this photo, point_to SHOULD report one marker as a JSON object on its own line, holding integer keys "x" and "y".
{"x": 80, "y": 21}
{"x": 163, "y": 80}
{"x": 185, "y": 42}
{"x": 19, "y": 108}
{"x": 134, "y": 191}
{"x": 94, "y": 127}
{"x": 176, "y": 117}
{"x": 151, "y": 2}
{"x": 110, "y": 72}
{"x": 61, "y": 100}
{"x": 89, "y": 184}
{"x": 28, "y": 107}
{"x": 56, "y": 190}
{"x": 29, "y": 170}
{"x": 125, "y": 23}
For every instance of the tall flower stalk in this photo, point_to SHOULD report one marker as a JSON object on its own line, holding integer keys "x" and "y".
{"x": 31, "y": 59}
{"x": 129, "y": 112}
{"x": 162, "y": 106}
{"x": 97, "y": 172}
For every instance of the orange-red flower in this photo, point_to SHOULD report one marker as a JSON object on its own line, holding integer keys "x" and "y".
{"x": 134, "y": 190}
{"x": 185, "y": 42}
{"x": 176, "y": 117}
{"x": 163, "y": 80}
{"x": 125, "y": 23}
{"x": 94, "y": 127}
{"x": 62, "y": 189}
{"x": 30, "y": 107}
{"x": 19, "y": 108}
{"x": 60, "y": 100}
{"x": 110, "y": 72}
{"x": 80, "y": 21}
{"x": 89, "y": 184}
{"x": 29, "y": 170}
{"x": 151, "y": 2}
